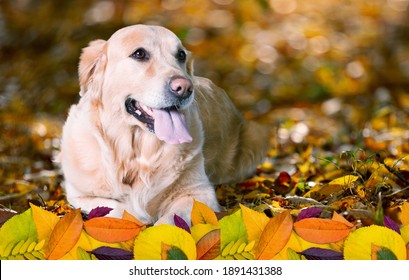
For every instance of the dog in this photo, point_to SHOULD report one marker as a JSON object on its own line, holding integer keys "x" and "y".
{"x": 149, "y": 137}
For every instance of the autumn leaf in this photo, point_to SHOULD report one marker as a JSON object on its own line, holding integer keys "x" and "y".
{"x": 232, "y": 228}
{"x": 99, "y": 211}
{"x": 404, "y": 231}
{"x": 203, "y": 214}
{"x": 254, "y": 222}
{"x": 344, "y": 180}
{"x": 87, "y": 243}
{"x": 389, "y": 223}
{"x": 179, "y": 222}
{"x": 109, "y": 229}
{"x": 19, "y": 227}
{"x": 405, "y": 214}
{"x": 274, "y": 236}
{"x": 170, "y": 252}
{"x": 339, "y": 218}
{"x": 310, "y": 212}
{"x": 208, "y": 247}
{"x": 200, "y": 230}
{"x": 148, "y": 244}
{"x": 382, "y": 253}
{"x": 321, "y": 231}
{"x": 110, "y": 253}
{"x": 298, "y": 244}
{"x": 360, "y": 244}
{"x": 64, "y": 235}
{"x": 45, "y": 222}
{"x": 321, "y": 254}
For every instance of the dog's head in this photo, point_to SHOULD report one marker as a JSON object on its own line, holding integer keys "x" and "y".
{"x": 144, "y": 75}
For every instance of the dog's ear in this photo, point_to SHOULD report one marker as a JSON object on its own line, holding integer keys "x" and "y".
{"x": 92, "y": 66}
{"x": 189, "y": 64}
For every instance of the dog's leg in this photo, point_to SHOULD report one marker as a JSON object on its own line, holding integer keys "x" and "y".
{"x": 182, "y": 206}
{"x": 87, "y": 202}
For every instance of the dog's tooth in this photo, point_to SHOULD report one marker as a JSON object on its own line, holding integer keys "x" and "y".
{"x": 138, "y": 112}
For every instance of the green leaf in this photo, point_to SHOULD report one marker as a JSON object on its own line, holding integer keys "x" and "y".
{"x": 385, "y": 254}
{"x": 82, "y": 254}
{"x": 172, "y": 253}
{"x": 18, "y": 228}
{"x": 232, "y": 229}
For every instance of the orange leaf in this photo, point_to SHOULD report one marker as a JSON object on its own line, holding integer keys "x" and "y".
{"x": 374, "y": 251}
{"x": 321, "y": 231}
{"x": 405, "y": 214}
{"x": 339, "y": 218}
{"x": 165, "y": 248}
{"x": 107, "y": 229}
{"x": 203, "y": 214}
{"x": 274, "y": 236}
{"x": 208, "y": 247}
{"x": 129, "y": 217}
{"x": 64, "y": 235}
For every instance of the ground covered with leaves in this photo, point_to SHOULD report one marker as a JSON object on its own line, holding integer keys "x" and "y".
{"x": 326, "y": 190}
{"x": 334, "y": 185}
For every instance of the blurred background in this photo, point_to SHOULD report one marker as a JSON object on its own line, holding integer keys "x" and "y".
{"x": 333, "y": 67}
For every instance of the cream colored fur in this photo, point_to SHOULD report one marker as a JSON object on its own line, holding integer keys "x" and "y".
{"x": 109, "y": 158}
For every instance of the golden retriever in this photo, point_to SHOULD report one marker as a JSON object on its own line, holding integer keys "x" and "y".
{"x": 147, "y": 136}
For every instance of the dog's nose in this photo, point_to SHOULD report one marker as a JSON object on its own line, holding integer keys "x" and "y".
{"x": 181, "y": 87}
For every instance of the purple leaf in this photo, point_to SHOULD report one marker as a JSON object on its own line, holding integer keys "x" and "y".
{"x": 99, "y": 212}
{"x": 389, "y": 223}
{"x": 315, "y": 253}
{"x": 309, "y": 213}
{"x": 179, "y": 222}
{"x": 109, "y": 253}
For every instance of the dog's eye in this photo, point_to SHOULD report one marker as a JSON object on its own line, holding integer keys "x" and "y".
{"x": 140, "y": 54}
{"x": 181, "y": 56}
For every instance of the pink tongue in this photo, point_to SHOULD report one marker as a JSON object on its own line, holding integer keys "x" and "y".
{"x": 170, "y": 126}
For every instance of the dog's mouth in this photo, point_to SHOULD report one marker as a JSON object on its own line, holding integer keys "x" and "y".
{"x": 168, "y": 124}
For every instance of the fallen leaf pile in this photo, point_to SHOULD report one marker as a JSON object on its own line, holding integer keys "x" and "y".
{"x": 245, "y": 234}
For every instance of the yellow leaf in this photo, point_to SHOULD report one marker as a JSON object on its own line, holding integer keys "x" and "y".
{"x": 404, "y": 232}
{"x": 200, "y": 230}
{"x": 359, "y": 244}
{"x": 405, "y": 214}
{"x": 148, "y": 244}
{"x": 275, "y": 236}
{"x": 297, "y": 244}
{"x": 344, "y": 180}
{"x": 64, "y": 235}
{"x": 203, "y": 214}
{"x": 254, "y": 221}
{"x": 87, "y": 243}
{"x": 45, "y": 221}
{"x": 321, "y": 231}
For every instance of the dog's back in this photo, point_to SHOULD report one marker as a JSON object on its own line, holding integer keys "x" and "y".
{"x": 233, "y": 146}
